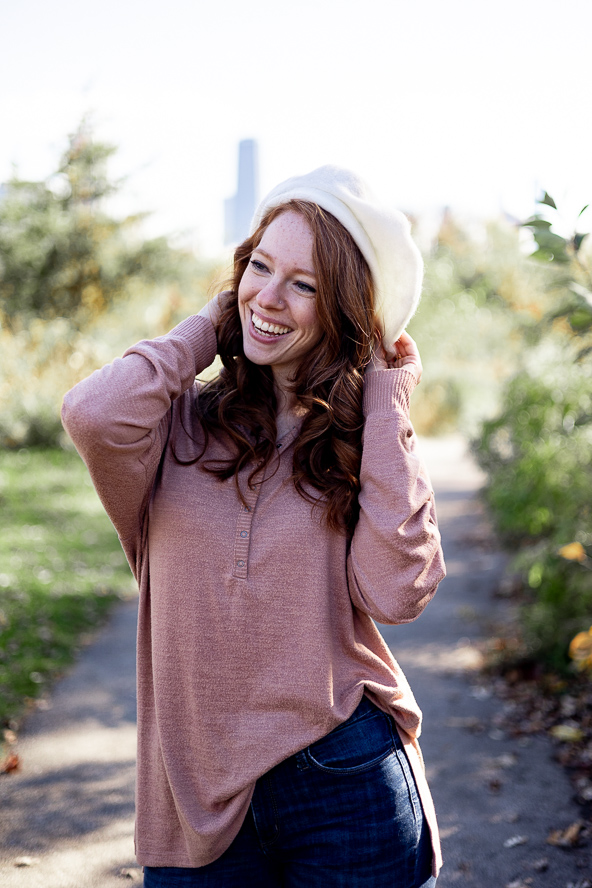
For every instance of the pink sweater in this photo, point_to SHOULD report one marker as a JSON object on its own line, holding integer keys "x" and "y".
{"x": 256, "y": 633}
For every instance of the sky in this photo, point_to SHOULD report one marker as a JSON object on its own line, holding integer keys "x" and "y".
{"x": 471, "y": 105}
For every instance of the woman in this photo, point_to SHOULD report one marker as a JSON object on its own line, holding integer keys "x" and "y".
{"x": 268, "y": 517}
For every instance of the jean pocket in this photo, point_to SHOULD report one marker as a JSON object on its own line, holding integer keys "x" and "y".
{"x": 354, "y": 746}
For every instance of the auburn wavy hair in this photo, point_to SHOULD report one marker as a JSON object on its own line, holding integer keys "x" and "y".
{"x": 240, "y": 405}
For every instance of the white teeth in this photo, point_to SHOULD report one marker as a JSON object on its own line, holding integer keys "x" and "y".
{"x": 265, "y": 327}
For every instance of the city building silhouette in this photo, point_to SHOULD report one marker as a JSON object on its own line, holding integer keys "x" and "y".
{"x": 238, "y": 210}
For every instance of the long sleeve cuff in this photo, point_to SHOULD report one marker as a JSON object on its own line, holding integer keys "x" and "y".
{"x": 385, "y": 390}
{"x": 200, "y": 335}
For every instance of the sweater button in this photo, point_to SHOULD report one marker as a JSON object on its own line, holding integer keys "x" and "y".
{"x": 240, "y": 563}
{"x": 244, "y": 533}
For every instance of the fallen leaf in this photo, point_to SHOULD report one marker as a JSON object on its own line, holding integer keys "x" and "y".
{"x": 515, "y": 840}
{"x": 508, "y": 760}
{"x": 541, "y": 865}
{"x": 585, "y": 793}
{"x": 566, "y": 838}
{"x": 133, "y": 873}
{"x": 10, "y": 763}
{"x": 505, "y": 817}
{"x": 26, "y": 861}
{"x": 566, "y": 733}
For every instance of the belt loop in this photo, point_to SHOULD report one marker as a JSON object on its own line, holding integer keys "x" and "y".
{"x": 301, "y": 760}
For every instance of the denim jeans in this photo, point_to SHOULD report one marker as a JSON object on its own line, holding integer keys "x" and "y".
{"x": 342, "y": 813}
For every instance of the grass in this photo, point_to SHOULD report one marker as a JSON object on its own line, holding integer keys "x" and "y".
{"x": 61, "y": 570}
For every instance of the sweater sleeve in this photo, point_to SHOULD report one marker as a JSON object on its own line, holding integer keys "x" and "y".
{"x": 119, "y": 417}
{"x": 395, "y": 561}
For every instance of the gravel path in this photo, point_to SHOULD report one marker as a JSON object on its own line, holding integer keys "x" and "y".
{"x": 66, "y": 818}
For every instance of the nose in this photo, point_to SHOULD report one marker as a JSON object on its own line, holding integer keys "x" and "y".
{"x": 270, "y": 295}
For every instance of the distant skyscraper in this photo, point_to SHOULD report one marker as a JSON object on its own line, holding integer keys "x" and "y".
{"x": 238, "y": 210}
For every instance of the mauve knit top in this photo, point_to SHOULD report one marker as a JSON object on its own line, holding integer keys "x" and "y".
{"x": 255, "y": 634}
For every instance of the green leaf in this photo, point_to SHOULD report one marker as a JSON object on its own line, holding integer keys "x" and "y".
{"x": 551, "y": 243}
{"x": 548, "y": 200}
{"x": 583, "y": 210}
{"x": 550, "y": 239}
{"x": 542, "y": 255}
{"x": 580, "y": 321}
{"x": 536, "y": 222}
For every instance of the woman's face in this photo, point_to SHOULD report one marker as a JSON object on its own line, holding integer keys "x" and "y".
{"x": 277, "y": 297}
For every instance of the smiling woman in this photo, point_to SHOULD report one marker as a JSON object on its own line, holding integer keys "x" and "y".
{"x": 276, "y": 299}
{"x": 300, "y": 266}
{"x": 277, "y": 736}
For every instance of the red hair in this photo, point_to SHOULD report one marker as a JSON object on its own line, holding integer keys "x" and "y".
{"x": 240, "y": 404}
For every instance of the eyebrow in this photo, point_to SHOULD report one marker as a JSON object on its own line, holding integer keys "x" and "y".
{"x": 296, "y": 270}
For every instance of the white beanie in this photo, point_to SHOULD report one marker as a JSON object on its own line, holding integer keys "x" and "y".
{"x": 382, "y": 235}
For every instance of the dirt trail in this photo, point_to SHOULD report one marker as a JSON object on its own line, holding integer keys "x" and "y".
{"x": 70, "y": 809}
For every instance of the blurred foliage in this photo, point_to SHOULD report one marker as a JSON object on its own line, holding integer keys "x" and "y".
{"x": 481, "y": 298}
{"x": 77, "y": 287}
{"x": 537, "y": 451}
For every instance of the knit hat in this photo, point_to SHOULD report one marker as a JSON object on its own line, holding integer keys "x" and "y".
{"x": 382, "y": 235}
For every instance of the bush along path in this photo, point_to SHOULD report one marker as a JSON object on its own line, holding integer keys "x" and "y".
{"x": 506, "y": 808}
{"x": 536, "y": 454}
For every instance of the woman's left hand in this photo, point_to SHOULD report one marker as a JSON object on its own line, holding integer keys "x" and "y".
{"x": 405, "y": 354}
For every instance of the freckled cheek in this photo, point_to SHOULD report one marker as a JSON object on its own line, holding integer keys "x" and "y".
{"x": 243, "y": 298}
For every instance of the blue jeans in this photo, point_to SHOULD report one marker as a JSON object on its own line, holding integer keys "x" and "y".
{"x": 343, "y": 813}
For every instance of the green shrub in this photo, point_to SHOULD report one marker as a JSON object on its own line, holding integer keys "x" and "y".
{"x": 537, "y": 454}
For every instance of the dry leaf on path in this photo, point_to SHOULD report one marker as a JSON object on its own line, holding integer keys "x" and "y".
{"x": 515, "y": 840}
{"x": 133, "y": 873}
{"x": 10, "y": 763}
{"x": 566, "y": 838}
{"x": 566, "y": 733}
{"x": 541, "y": 865}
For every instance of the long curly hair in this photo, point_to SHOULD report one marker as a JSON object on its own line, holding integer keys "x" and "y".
{"x": 240, "y": 405}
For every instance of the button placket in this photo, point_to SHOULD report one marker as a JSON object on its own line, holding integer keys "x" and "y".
{"x": 243, "y": 533}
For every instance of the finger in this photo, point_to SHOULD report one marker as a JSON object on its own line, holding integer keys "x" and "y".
{"x": 405, "y": 345}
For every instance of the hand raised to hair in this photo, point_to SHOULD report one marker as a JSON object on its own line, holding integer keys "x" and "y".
{"x": 212, "y": 310}
{"x": 405, "y": 355}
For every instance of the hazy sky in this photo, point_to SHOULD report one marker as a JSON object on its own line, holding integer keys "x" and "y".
{"x": 435, "y": 102}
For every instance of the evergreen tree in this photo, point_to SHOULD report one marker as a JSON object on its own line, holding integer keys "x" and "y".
{"x": 61, "y": 253}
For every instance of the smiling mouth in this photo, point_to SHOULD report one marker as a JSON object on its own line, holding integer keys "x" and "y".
{"x": 273, "y": 331}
